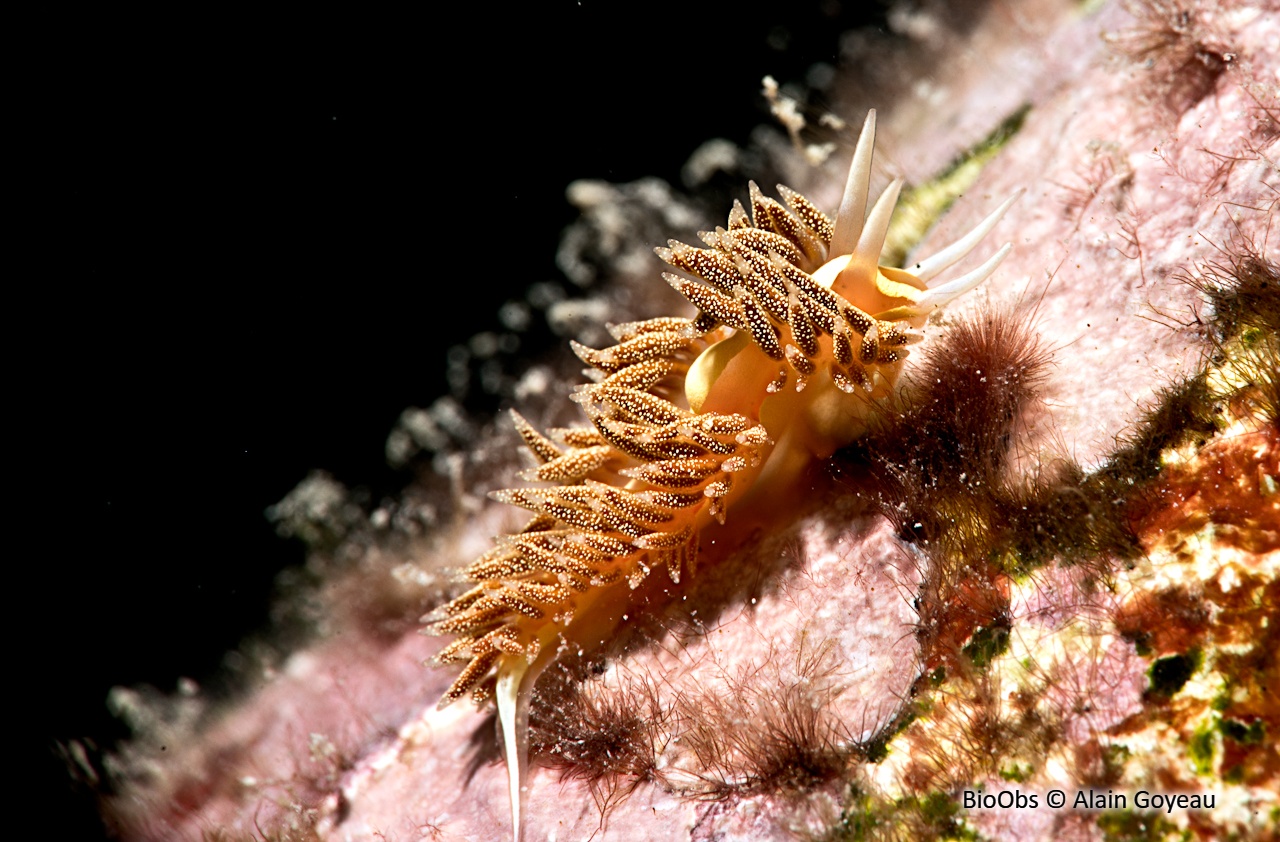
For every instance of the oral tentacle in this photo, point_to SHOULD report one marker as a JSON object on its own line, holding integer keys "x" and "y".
{"x": 853, "y": 203}
{"x": 929, "y": 268}
{"x": 942, "y": 295}
{"x": 865, "y": 259}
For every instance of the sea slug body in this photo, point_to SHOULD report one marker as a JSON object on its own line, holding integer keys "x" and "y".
{"x": 799, "y": 329}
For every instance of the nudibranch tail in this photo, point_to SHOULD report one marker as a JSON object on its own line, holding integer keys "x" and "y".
{"x": 798, "y": 331}
{"x": 513, "y": 718}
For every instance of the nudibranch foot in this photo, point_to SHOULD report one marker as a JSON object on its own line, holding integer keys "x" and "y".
{"x": 799, "y": 330}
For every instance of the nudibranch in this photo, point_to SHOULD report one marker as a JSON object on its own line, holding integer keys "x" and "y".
{"x": 799, "y": 330}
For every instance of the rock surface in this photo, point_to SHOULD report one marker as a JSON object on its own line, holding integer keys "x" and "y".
{"x": 1149, "y": 149}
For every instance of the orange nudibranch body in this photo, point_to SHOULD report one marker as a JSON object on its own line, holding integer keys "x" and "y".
{"x": 799, "y": 330}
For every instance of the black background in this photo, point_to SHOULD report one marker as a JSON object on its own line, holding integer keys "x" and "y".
{"x": 238, "y": 280}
